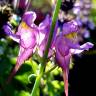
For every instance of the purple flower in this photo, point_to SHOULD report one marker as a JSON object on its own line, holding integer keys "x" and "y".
{"x": 44, "y": 30}
{"x": 27, "y": 31}
{"x": 65, "y": 43}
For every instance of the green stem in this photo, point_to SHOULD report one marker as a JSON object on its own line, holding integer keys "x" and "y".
{"x": 43, "y": 65}
{"x": 51, "y": 69}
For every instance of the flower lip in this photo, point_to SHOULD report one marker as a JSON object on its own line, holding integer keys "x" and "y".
{"x": 29, "y": 17}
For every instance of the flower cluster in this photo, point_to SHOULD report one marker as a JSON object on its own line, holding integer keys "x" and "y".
{"x": 82, "y": 11}
{"x": 31, "y": 37}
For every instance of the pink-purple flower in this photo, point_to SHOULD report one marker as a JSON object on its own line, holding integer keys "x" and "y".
{"x": 44, "y": 30}
{"x": 27, "y": 33}
{"x": 66, "y": 44}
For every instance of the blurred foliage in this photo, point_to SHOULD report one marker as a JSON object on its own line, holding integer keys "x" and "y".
{"x": 44, "y": 5}
{"x": 93, "y": 11}
{"x": 93, "y": 15}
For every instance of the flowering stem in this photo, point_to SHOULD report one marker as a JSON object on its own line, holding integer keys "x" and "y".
{"x": 44, "y": 59}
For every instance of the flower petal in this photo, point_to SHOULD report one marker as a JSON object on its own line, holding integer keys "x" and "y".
{"x": 9, "y": 32}
{"x": 44, "y": 30}
{"x": 29, "y": 17}
{"x": 86, "y": 46}
{"x": 70, "y": 27}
